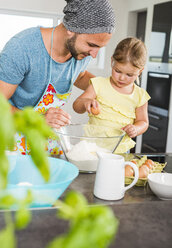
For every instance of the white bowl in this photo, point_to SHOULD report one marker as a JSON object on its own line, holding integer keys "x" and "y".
{"x": 161, "y": 185}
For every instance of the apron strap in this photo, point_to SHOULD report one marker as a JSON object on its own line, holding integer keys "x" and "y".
{"x": 72, "y": 64}
{"x": 51, "y": 54}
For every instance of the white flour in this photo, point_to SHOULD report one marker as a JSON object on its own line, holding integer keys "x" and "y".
{"x": 84, "y": 156}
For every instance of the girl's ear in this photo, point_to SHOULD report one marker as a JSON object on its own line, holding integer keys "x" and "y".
{"x": 141, "y": 71}
{"x": 112, "y": 61}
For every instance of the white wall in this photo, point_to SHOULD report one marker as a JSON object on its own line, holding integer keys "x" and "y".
{"x": 42, "y": 6}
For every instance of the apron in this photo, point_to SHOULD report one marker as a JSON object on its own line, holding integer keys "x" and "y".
{"x": 50, "y": 98}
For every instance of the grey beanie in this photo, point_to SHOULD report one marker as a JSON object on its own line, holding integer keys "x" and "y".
{"x": 89, "y": 16}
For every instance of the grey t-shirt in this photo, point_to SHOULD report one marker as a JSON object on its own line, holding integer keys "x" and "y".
{"x": 26, "y": 62}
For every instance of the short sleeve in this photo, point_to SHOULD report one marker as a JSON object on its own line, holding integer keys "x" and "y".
{"x": 96, "y": 84}
{"x": 143, "y": 97}
{"x": 13, "y": 62}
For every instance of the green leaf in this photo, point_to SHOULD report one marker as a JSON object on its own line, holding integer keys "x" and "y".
{"x": 28, "y": 199}
{"x": 7, "y": 201}
{"x": 74, "y": 206}
{"x": 4, "y": 165}
{"x": 22, "y": 218}
{"x": 38, "y": 153}
{"x": 57, "y": 243}
{"x": 90, "y": 226}
{"x": 7, "y": 237}
{"x": 7, "y": 129}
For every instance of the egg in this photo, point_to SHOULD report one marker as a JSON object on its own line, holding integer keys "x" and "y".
{"x": 95, "y": 111}
{"x": 129, "y": 172}
{"x": 148, "y": 164}
{"x": 143, "y": 171}
{"x": 150, "y": 161}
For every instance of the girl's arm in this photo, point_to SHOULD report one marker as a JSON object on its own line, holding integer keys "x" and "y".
{"x": 82, "y": 82}
{"x": 141, "y": 122}
{"x": 86, "y": 101}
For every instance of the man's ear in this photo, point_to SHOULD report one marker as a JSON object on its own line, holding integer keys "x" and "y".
{"x": 70, "y": 33}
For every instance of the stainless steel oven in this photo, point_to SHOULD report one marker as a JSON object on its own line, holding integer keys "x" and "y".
{"x": 159, "y": 87}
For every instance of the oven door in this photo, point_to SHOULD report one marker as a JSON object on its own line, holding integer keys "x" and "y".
{"x": 159, "y": 87}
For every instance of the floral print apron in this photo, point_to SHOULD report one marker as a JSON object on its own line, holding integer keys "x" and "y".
{"x": 50, "y": 98}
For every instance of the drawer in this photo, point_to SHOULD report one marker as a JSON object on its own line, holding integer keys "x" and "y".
{"x": 154, "y": 139}
{"x": 151, "y": 148}
{"x": 158, "y": 120}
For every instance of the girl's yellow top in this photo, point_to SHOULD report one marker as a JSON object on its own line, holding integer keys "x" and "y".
{"x": 116, "y": 109}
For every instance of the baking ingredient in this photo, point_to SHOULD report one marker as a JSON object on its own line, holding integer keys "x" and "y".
{"x": 95, "y": 111}
{"x": 143, "y": 171}
{"x": 84, "y": 156}
{"x": 133, "y": 161}
{"x": 150, "y": 161}
{"x": 129, "y": 172}
{"x": 148, "y": 164}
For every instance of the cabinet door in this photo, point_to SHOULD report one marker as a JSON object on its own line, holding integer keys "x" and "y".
{"x": 162, "y": 21}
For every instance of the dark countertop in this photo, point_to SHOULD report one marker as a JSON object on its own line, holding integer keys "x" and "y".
{"x": 145, "y": 220}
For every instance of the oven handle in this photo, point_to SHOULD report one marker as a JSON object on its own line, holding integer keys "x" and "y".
{"x": 158, "y": 75}
{"x": 154, "y": 128}
{"x": 150, "y": 147}
{"x": 154, "y": 116}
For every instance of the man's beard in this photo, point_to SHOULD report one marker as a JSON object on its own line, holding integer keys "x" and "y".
{"x": 70, "y": 44}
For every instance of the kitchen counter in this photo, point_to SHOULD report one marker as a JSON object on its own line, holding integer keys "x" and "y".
{"x": 145, "y": 220}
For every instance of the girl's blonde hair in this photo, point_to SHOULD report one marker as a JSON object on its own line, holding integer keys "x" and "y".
{"x": 131, "y": 50}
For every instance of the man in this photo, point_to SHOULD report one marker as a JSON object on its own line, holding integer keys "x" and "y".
{"x": 39, "y": 61}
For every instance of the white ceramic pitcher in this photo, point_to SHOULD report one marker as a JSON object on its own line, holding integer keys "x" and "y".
{"x": 110, "y": 176}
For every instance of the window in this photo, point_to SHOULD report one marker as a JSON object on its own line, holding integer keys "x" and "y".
{"x": 14, "y": 22}
{"x": 99, "y": 61}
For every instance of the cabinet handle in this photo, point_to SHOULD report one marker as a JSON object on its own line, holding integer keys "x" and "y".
{"x": 158, "y": 75}
{"x": 150, "y": 147}
{"x": 154, "y": 128}
{"x": 154, "y": 116}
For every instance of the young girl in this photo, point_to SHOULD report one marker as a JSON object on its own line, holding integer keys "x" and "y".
{"x": 117, "y": 101}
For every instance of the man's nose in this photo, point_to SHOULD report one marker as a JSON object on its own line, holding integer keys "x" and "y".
{"x": 94, "y": 52}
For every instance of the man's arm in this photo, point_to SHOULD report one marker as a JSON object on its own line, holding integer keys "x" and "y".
{"x": 54, "y": 117}
{"x": 82, "y": 81}
{"x": 8, "y": 90}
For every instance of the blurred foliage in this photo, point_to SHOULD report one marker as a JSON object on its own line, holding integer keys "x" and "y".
{"x": 89, "y": 226}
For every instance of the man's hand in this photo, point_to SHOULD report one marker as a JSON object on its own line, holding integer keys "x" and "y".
{"x": 56, "y": 117}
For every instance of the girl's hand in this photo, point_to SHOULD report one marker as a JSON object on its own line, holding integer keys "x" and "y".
{"x": 131, "y": 130}
{"x": 92, "y": 106}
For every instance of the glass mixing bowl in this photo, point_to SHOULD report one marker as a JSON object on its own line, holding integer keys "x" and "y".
{"x": 80, "y": 142}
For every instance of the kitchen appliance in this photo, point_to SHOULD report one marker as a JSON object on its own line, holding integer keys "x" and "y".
{"x": 159, "y": 88}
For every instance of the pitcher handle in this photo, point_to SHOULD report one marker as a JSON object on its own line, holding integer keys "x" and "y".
{"x": 136, "y": 173}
